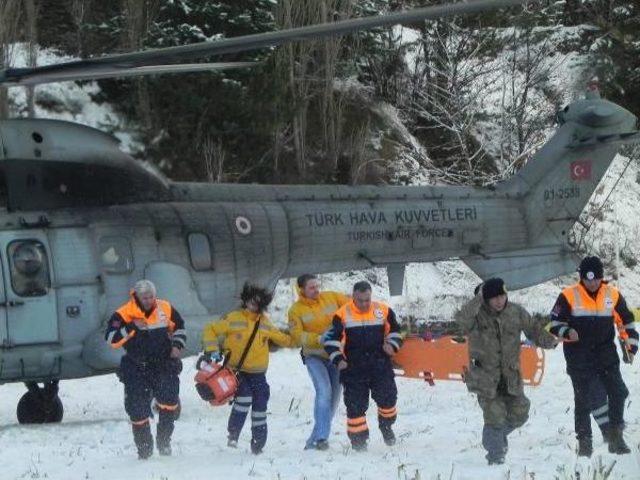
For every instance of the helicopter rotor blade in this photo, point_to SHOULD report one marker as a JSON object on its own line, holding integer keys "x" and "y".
{"x": 250, "y": 42}
{"x": 117, "y": 71}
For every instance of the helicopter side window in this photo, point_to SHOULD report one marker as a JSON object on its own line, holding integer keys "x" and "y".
{"x": 116, "y": 255}
{"x": 200, "y": 251}
{"x": 29, "y": 266}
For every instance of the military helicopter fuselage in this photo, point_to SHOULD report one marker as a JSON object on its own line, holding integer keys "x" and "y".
{"x": 81, "y": 221}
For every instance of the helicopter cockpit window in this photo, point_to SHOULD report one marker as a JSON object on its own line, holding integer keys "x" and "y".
{"x": 116, "y": 255}
{"x": 29, "y": 265}
{"x": 200, "y": 251}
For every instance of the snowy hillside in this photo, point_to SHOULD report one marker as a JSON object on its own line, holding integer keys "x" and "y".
{"x": 438, "y": 432}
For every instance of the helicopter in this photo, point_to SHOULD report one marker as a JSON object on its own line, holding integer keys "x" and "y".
{"x": 81, "y": 221}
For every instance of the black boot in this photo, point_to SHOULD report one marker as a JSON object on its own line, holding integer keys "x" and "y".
{"x": 359, "y": 440}
{"x": 256, "y": 447}
{"x": 165, "y": 429}
{"x": 143, "y": 440}
{"x": 388, "y": 435}
{"x": 585, "y": 446}
{"x": 495, "y": 458}
{"x": 359, "y": 445}
{"x": 616, "y": 441}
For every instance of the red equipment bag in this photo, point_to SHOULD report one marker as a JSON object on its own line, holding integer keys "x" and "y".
{"x": 216, "y": 383}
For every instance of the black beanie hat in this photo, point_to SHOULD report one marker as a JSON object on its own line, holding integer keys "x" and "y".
{"x": 591, "y": 268}
{"x": 493, "y": 288}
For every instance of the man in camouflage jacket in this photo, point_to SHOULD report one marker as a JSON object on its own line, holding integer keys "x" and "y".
{"x": 494, "y": 327}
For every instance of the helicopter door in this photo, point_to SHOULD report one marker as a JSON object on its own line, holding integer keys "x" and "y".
{"x": 29, "y": 302}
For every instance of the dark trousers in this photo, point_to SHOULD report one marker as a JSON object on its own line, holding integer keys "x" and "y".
{"x": 599, "y": 403}
{"x": 144, "y": 381}
{"x": 587, "y": 392}
{"x": 253, "y": 394}
{"x": 502, "y": 415}
{"x": 377, "y": 379}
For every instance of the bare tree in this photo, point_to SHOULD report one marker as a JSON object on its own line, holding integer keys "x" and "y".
{"x": 307, "y": 72}
{"x": 460, "y": 83}
{"x": 32, "y": 8}
{"x": 9, "y": 19}
{"x": 360, "y": 164}
{"x": 386, "y": 68}
{"x": 215, "y": 156}
{"x": 293, "y": 62}
{"x": 139, "y": 17}
{"x": 79, "y": 10}
{"x": 332, "y": 101}
{"x": 448, "y": 82}
{"x": 526, "y": 104}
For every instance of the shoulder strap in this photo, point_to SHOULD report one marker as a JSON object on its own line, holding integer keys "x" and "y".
{"x": 249, "y": 343}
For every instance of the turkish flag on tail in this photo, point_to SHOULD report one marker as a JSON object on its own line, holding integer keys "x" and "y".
{"x": 581, "y": 170}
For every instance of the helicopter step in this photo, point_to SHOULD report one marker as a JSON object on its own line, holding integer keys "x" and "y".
{"x": 40, "y": 404}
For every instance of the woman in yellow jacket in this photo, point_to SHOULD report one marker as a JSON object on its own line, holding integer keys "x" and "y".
{"x": 231, "y": 335}
{"x": 309, "y": 318}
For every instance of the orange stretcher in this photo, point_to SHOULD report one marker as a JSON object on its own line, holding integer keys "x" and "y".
{"x": 446, "y": 359}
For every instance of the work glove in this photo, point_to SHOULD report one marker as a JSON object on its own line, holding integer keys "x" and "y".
{"x": 628, "y": 351}
{"x": 571, "y": 336}
{"x": 208, "y": 357}
{"x": 325, "y": 336}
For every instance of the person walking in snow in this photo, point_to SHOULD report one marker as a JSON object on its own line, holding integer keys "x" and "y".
{"x": 494, "y": 327}
{"x": 585, "y": 315}
{"x": 363, "y": 337}
{"x": 153, "y": 335}
{"x": 309, "y": 318}
{"x": 244, "y": 336}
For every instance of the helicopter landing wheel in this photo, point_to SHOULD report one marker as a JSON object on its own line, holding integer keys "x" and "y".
{"x": 40, "y": 404}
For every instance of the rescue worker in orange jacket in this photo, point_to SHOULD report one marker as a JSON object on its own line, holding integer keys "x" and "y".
{"x": 585, "y": 315}
{"x": 309, "y": 318}
{"x": 152, "y": 334}
{"x": 363, "y": 338}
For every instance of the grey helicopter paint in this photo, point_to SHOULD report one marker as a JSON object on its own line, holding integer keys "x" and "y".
{"x": 82, "y": 221}
{"x": 200, "y": 242}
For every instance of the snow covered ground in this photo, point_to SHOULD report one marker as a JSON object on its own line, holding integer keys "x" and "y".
{"x": 438, "y": 430}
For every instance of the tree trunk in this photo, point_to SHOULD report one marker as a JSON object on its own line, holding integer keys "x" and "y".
{"x": 9, "y": 18}
{"x": 139, "y": 16}
{"x": 32, "y": 8}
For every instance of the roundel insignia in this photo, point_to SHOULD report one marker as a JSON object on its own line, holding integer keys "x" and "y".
{"x": 608, "y": 303}
{"x": 378, "y": 313}
{"x": 591, "y": 275}
{"x": 243, "y": 225}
